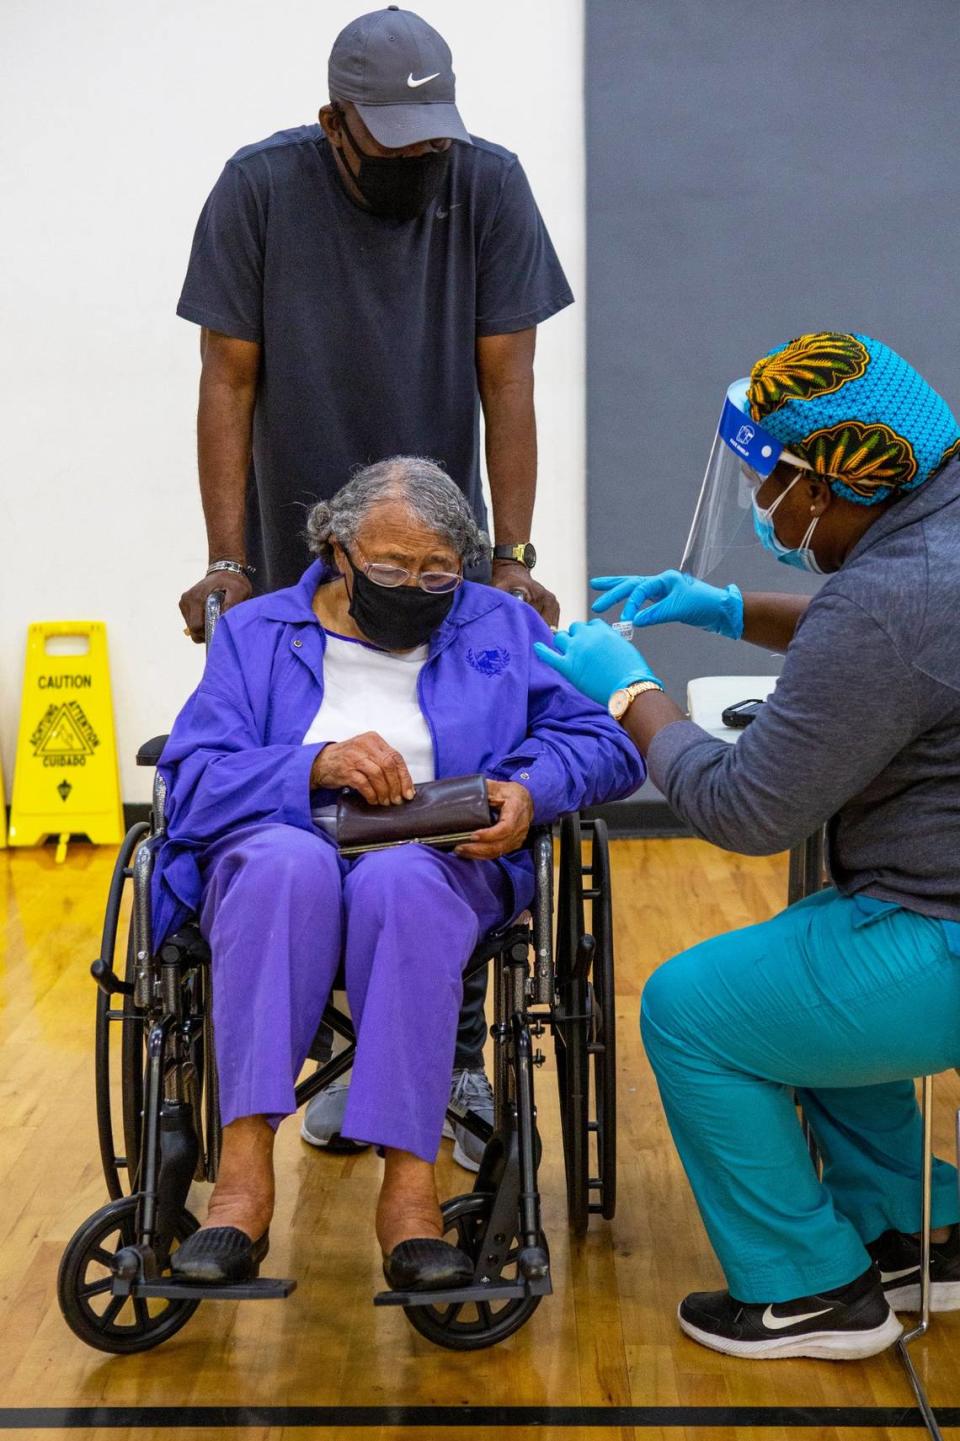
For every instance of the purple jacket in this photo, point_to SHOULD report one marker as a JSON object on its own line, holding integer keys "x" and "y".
{"x": 235, "y": 756}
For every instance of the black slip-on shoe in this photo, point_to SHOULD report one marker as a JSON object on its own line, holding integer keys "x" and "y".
{"x": 898, "y": 1257}
{"x": 840, "y": 1325}
{"x": 219, "y": 1256}
{"x": 425, "y": 1264}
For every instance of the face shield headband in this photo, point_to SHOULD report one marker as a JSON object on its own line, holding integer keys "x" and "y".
{"x": 742, "y": 456}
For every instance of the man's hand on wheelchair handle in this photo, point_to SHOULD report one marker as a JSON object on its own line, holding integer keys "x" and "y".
{"x": 236, "y": 588}
{"x": 511, "y": 576}
{"x": 366, "y": 764}
{"x": 508, "y": 833}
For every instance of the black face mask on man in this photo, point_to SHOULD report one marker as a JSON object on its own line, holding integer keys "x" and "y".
{"x": 398, "y": 187}
{"x": 396, "y": 617}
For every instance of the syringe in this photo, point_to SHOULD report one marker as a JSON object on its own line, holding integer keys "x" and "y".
{"x": 622, "y": 627}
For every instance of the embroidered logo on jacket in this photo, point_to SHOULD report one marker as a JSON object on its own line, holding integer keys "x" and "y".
{"x": 489, "y": 662}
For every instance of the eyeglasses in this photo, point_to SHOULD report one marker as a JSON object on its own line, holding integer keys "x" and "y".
{"x": 435, "y": 582}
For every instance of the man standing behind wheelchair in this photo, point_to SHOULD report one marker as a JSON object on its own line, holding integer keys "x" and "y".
{"x": 382, "y": 668}
{"x": 361, "y": 284}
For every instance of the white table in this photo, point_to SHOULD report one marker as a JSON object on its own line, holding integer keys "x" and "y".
{"x": 709, "y": 695}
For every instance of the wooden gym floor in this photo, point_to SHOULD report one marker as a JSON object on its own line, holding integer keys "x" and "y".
{"x": 602, "y": 1357}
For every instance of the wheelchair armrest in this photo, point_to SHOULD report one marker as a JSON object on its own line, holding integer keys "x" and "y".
{"x": 150, "y": 752}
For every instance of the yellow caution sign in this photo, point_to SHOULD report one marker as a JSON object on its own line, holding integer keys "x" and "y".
{"x": 66, "y": 780}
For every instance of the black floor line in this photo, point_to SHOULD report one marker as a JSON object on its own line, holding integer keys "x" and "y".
{"x": 48, "y": 1418}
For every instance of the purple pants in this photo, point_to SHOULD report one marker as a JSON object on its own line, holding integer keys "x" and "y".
{"x": 280, "y": 908}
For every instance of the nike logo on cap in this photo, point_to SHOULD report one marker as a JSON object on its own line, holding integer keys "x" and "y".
{"x": 779, "y": 1323}
{"x": 414, "y": 83}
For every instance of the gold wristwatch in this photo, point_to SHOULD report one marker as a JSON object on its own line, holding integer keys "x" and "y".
{"x": 523, "y": 553}
{"x": 621, "y": 700}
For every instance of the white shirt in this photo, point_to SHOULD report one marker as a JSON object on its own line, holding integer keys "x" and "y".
{"x": 365, "y": 689}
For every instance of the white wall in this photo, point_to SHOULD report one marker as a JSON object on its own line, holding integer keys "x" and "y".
{"x": 116, "y": 119}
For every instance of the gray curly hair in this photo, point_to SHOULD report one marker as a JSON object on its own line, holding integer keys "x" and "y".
{"x": 420, "y": 484}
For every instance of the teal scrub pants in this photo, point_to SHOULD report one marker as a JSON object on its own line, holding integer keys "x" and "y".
{"x": 843, "y": 1001}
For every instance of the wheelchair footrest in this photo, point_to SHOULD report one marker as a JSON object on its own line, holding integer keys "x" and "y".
{"x": 494, "y": 1291}
{"x": 264, "y": 1288}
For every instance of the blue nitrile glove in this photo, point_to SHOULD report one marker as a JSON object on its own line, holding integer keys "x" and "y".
{"x": 675, "y": 596}
{"x": 595, "y": 659}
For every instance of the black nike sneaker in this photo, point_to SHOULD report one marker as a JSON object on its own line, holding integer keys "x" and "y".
{"x": 840, "y": 1325}
{"x": 898, "y": 1257}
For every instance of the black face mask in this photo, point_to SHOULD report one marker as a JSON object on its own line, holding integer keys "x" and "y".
{"x": 398, "y": 187}
{"x": 396, "y": 617}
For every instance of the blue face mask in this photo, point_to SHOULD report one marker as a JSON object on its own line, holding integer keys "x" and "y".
{"x": 801, "y": 557}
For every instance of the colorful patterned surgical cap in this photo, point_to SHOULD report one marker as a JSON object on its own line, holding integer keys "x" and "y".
{"x": 856, "y": 412}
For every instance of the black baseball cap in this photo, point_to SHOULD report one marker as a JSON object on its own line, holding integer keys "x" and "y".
{"x": 399, "y": 74}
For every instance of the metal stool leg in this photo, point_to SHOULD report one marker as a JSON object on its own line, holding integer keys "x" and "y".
{"x": 930, "y": 1421}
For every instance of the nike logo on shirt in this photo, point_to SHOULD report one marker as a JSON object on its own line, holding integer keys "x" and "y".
{"x": 414, "y": 83}
{"x": 779, "y": 1323}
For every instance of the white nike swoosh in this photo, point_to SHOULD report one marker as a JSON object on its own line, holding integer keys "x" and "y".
{"x": 414, "y": 83}
{"x": 779, "y": 1323}
{"x": 886, "y": 1276}
{"x": 442, "y": 214}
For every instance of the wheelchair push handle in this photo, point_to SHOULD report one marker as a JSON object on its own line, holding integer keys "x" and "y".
{"x": 212, "y": 611}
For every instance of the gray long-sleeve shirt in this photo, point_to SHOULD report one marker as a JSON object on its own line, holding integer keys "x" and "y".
{"x": 863, "y": 729}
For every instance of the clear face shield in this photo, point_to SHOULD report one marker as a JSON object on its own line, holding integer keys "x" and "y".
{"x": 742, "y": 457}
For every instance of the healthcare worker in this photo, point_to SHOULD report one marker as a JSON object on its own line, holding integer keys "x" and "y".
{"x": 850, "y": 463}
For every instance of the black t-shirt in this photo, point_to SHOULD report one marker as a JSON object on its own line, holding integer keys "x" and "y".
{"x": 368, "y": 326}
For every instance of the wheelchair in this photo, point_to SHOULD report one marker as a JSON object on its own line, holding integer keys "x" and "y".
{"x": 154, "y": 1028}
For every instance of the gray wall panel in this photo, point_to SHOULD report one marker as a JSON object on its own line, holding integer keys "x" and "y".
{"x": 754, "y": 171}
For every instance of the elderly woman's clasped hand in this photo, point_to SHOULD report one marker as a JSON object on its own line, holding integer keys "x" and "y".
{"x": 515, "y": 804}
{"x": 368, "y": 765}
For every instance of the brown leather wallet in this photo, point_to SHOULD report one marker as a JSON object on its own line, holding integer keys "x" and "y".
{"x": 442, "y": 813}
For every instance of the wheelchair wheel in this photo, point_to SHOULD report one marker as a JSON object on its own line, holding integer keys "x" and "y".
{"x": 603, "y": 1041}
{"x": 113, "y": 1011}
{"x": 473, "y": 1325}
{"x": 119, "y": 1324}
{"x": 570, "y": 1027}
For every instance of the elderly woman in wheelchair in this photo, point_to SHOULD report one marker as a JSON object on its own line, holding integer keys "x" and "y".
{"x": 382, "y": 669}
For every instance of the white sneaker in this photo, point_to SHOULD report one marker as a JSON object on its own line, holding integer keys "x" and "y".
{"x": 843, "y": 1324}
{"x": 898, "y": 1257}
{"x": 469, "y": 1091}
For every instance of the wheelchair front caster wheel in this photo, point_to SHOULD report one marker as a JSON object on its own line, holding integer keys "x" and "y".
{"x": 474, "y": 1325}
{"x": 533, "y": 1262}
{"x": 120, "y": 1324}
